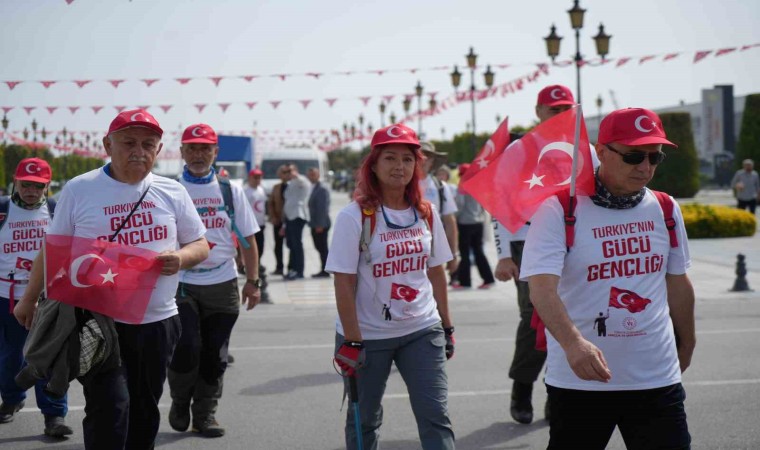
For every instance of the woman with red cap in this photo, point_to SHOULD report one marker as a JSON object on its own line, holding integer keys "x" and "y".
{"x": 390, "y": 287}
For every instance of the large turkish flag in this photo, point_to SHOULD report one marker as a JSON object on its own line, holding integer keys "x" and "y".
{"x": 109, "y": 278}
{"x": 490, "y": 151}
{"x": 533, "y": 169}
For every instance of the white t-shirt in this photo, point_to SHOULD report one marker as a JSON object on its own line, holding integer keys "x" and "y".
{"x": 220, "y": 264}
{"x": 613, "y": 277}
{"x": 395, "y": 280}
{"x": 430, "y": 193}
{"x": 257, "y": 197}
{"x": 21, "y": 237}
{"x": 503, "y": 237}
{"x": 92, "y": 204}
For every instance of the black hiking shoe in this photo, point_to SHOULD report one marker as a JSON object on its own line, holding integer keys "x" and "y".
{"x": 179, "y": 416}
{"x": 55, "y": 426}
{"x": 8, "y": 412}
{"x": 208, "y": 427}
{"x": 521, "y": 408}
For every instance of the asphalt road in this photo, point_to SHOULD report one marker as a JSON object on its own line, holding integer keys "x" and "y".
{"x": 282, "y": 392}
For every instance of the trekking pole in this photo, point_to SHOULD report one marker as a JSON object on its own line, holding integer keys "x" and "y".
{"x": 357, "y": 418}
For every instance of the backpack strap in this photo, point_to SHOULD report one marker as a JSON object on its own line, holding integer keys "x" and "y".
{"x": 666, "y": 203}
{"x": 369, "y": 221}
{"x": 51, "y": 206}
{"x": 429, "y": 224}
{"x": 568, "y": 206}
{"x": 5, "y": 203}
{"x": 229, "y": 207}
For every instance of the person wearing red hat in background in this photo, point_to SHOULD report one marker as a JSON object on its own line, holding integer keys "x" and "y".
{"x": 470, "y": 220}
{"x": 24, "y": 217}
{"x": 392, "y": 304}
{"x": 257, "y": 197}
{"x": 527, "y": 362}
{"x": 624, "y": 261}
{"x": 207, "y": 297}
{"x": 121, "y": 404}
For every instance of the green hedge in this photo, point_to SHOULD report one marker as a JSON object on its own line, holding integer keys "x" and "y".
{"x": 717, "y": 221}
{"x": 749, "y": 137}
{"x": 678, "y": 175}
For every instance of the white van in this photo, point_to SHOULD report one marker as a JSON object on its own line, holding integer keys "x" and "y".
{"x": 303, "y": 157}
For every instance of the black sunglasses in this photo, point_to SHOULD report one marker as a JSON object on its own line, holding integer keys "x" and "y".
{"x": 636, "y": 158}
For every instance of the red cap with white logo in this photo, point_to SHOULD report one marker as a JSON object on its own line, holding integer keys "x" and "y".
{"x": 395, "y": 134}
{"x": 632, "y": 126}
{"x": 34, "y": 169}
{"x": 255, "y": 172}
{"x": 199, "y": 133}
{"x": 135, "y": 118}
{"x": 555, "y": 95}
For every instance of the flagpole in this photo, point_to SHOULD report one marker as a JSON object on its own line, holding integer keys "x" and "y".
{"x": 44, "y": 266}
{"x": 576, "y": 145}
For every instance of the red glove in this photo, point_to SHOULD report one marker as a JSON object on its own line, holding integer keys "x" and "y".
{"x": 350, "y": 357}
{"x": 450, "y": 341}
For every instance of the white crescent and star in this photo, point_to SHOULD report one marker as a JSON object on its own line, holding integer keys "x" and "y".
{"x": 640, "y": 127}
{"x": 259, "y": 206}
{"x": 32, "y": 167}
{"x": 197, "y": 132}
{"x": 135, "y": 116}
{"x": 74, "y": 270}
{"x": 390, "y": 132}
{"x": 483, "y": 160}
{"x": 556, "y": 94}
{"x": 564, "y": 147}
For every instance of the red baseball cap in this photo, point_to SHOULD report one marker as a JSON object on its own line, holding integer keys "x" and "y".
{"x": 555, "y": 95}
{"x": 200, "y": 133}
{"x": 395, "y": 134}
{"x": 632, "y": 126}
{"x": 255, "y": 172}
{"x": 34, "y": 169}
{"x": 134, "y": 118}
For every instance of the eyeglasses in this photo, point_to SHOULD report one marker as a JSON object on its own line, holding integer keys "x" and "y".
{"x": 393, "y": 226}
{"x": 636, "y": 158}
{"x": 32, "y": 185}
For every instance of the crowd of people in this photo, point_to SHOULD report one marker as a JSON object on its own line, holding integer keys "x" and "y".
{"x": 406, "y": 240}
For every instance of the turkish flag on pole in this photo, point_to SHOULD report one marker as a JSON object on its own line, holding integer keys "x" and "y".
{"x": 491, "y": 151}
{"x": 533, "y": 169}
{"x": 108, "y": 278}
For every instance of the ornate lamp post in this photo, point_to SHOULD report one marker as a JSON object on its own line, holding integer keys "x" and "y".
{"x": 392, "y": 118}
{"x": 34, "y": 129}
{"x": 382, "y": 114}
{"x": 361, "y": 132}
{"x": 576, "y": 22}
{"x": 418, "y": 92}
{"x": 5, "y": 127}
{"x": 456, "y": 79}
{"x": 599, "y": 103}
{"x": 407, "y": 104}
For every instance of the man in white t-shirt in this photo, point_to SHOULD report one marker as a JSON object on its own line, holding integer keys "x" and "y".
{"x": 208, "y": 298}
{"x": 436, "y": 193}
{"x": 121, "y": 405}
{"x": 24, "y": 217}
{"x": 624, "y": 261}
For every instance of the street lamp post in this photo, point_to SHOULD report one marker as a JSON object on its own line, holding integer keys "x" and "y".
{"x": 407, "y": 104}
{"x": 576, "y": 22}
{"x": 392, "y": 117}
{"x": 361, "y": 132}
{"x": 5, "y": 127}
{"x": 382, "y": 115}
{"x": 456, "y": 79}
{"x": 418, "y": 91}
{"x": 34, "y": 129}
{"x": 599, "y": 103}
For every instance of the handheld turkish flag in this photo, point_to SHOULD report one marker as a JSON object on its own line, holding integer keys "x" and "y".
{"x": 105, "y": 277}
{"x": 625, "y": 299}
{"x": 403, "y": 292}
{"x": 533, "y": 169}
{"x": 490, "y": 152}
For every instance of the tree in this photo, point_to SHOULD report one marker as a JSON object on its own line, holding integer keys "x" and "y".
{"x": 678, "y": 175}
{"x": 748, "y": 146}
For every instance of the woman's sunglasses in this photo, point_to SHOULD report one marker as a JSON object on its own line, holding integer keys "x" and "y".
{"x": 636, "y": 158}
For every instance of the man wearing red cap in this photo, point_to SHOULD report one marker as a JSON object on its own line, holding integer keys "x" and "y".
{"x": 208, "y": 299}
{"x": 24, "y": 217}
{"x": 624, "y": 266}
{"x": 527, "y": 361}
{"x": 257, "y": 197}
{"x": 122, "y": 403}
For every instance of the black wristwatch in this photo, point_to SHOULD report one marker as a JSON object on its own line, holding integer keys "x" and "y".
{"x": 449, "y": 331}
{"x": 255, "y": 282}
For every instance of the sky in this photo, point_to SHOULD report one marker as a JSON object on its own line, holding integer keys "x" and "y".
{"x": 145, "y": 39}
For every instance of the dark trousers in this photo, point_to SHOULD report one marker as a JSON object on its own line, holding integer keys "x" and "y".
{"x": 121, "y": 405}
{"x": 278, "y": 240}
{"x": 647, "y": 419}
{"x": 259, "y": 237}
{"x": 294, "y": 239}
{"x": 471, "y": 239}
{"x": 208, "y": 314}
{"x": 12, "y": 338}
{"x": 527, "y": 361}
{"x": 320, "y": 243}
{"x": 747, "y": 204}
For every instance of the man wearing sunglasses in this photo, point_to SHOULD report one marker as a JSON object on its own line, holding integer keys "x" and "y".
{"x": 624, "y": 262}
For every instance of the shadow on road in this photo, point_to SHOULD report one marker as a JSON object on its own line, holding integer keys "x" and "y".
{"x": 498, "y": 435}
{"x": 283, "y": 385}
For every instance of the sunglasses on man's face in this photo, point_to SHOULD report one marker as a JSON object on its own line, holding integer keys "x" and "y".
{"x": 636, "y": 158}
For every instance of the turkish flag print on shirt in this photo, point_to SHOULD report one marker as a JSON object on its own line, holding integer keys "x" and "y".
{"x": 403, "y": 292}
{"x": 533, "y": 169}
{"x": 625, "y": 299}
{"x": 491, "y": 151}
{"x": 105, "y": 277}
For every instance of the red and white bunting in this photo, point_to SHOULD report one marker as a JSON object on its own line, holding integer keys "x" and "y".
{"x": 216, "y": 80}
{"x": 199, "y": 107}
{"x": 304, "y": 103}
{"x": 365, "y": 100}
{"x": 73, "y": 109}
{"x": 387, "y": 98}
{"x": 670, "y": 56}
{"x": 275, "y": 103}
{"x": 314, "y": 75}
{"x": 331, "y": 101}
{"x": 644, "y": 59}
{"x": 249, "y": 78}
{"x": 183, "y": 80}
{"x": 96, "y": 109}
{"x": 12, "y": 84}
{"x": 250, "y": 105}
{"x": 120, "y": 108}
{"x": 82, "y": 83}
{"x": 145, "y": 107}
{"x": 281, "y": 76}
{"x": 115, "y": 83}
{"x": 378, "y": 72}
{"x": 700, "y": 55}
{"x": 622, "y": 61}
{"x": 165, "y": 108}
{"x": 47, "y": 84}
{"x": 223, "y": 106}
{"x": 725, "y": 51}
{"x": 51, "y": 109}
{"x": 29, "y": 109}
{"x": 7, "y": 109}
{"x": 149, "y": 81}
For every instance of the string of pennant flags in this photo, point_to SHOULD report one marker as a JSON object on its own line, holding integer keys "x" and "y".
{"x": 216, "y": 80}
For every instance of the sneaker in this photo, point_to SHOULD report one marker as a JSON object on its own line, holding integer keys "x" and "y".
{"x": 55, "y": 426}
{"x": 277, "y": 272}
{"x": 485, "y": 286}
{"x": 8, "y": 412}
{"x": 230, "y": 358}
{"x": 293, "y": 275}
{"x": 521, "y": 408}
{"x": 208, "y": 427}
{"x": 322, "y": 274}
{"x": 179, "y": 416}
